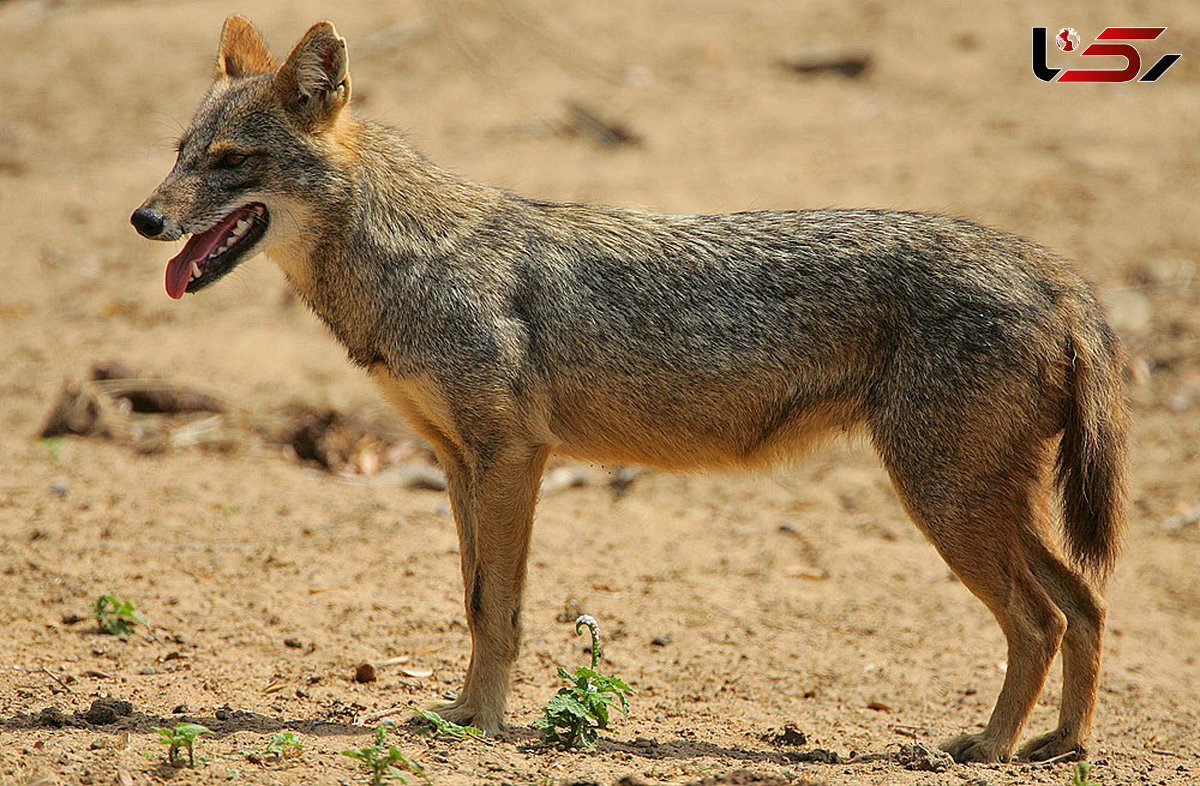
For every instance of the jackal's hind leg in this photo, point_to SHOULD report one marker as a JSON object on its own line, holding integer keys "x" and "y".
{"x": 1085, "y": 612}
{"x": 977, "y": 524}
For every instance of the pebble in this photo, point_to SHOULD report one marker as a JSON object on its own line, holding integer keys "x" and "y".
{"x": 105, "y": 710}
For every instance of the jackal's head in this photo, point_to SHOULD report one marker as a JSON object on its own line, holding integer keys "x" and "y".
{"x": 257, "y": 152}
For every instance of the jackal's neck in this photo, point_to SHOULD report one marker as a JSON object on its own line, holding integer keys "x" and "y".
{"x": 371, "y": 235}
{"x": 408, "y": 205}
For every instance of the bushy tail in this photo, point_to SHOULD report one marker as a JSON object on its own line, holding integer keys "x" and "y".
{"x": 1091, "y": 455}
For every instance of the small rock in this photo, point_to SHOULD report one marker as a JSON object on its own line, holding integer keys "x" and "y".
{"x": 915, "y": 756}
{"x": 419, "y": 674}
{"x": 815, "y": 756}
{"x": 292, "y": 642}
{"x": 571, "y": 611}
{"x": 148, "y": 670}
{"x": 1139, "y": 370}
{"x": 1161, "y": 271}
{"x": 51, "y": 717}
{"x": 181, "y": 709}
{"x": 105, "y": 710}
{"x": 789, "y": 736}
{"x": 1129, "y": 312}
{"x": 365, "y": 673}
{"x": 586, "y": 121}
{"x": 850, "y": 63}
{"x": 569, "y": 477}
{"x": 660, "y": 641}
{"x": 412, "y": 475}
{"x": 621, "y": 481}
{"x": 1179, "y": 525}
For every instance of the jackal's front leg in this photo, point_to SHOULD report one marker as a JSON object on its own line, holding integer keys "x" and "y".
{"x": 493, "y": 500}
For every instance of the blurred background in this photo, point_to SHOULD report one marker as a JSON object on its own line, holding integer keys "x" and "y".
{"x": 297, "y": 508}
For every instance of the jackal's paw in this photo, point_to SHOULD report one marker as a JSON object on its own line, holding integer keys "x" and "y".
{"x": 465, "y": 713}
{"x": 1051, "y": 746}
{"x": 974, "y": 747}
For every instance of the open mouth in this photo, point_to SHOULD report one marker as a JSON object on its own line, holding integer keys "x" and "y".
{"x": 211, "y": 254}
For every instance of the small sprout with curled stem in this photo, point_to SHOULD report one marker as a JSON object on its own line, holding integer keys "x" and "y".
{"x": 573, "y": 716}
{"x": 593, "y": 628}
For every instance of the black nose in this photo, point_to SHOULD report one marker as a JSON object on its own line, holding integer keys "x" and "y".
{"x": 148, "y": 222}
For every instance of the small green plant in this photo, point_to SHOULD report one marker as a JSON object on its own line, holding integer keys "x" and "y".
{"x": 1080, "y": 776}
{"x": 283, "y": 745}
{"x": 574, "y": 715}
{"x": 382, "y": 759}
{"x": 443, "y": 729}
{"x": 54, "y": 445}
{"x": 181, "y": 737}
{"x": 115, "y": 616}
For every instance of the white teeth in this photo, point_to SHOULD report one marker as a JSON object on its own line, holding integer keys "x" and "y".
{"x": 195, "y": 270}
{"x": 237, "y": 233}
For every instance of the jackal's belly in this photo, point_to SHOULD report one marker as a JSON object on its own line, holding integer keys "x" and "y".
{"x": 736, "y": 426}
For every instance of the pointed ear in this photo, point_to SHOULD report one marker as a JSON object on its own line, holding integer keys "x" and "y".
{"x": 243, "y": 51}
{"x": 314, "y": 83}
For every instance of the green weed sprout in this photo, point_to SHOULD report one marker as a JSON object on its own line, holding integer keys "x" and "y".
{"x": 182, "y": 737}
{"x": 115, "y": 616}
{"x": 573, "y": 716}
{"x": 284, "y": 745}
{"x": 1080, "y": 776}
{"x": 382, "y": 759}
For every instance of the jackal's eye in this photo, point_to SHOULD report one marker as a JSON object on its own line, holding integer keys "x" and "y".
{"x": 232, "y": 160}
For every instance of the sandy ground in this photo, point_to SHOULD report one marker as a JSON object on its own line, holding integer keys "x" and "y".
{"x": 733, "y": 604}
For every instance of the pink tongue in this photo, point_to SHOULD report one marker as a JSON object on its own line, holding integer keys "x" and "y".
{"x": 179, "y": 269}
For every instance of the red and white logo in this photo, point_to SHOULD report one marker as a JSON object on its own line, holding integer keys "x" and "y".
{"x": 1068, "y": 41}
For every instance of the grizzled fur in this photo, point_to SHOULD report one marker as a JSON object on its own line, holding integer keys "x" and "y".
{"x": 504, "y": 329}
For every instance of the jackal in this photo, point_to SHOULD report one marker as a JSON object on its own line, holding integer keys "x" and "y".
{"x": 504, "y": 329}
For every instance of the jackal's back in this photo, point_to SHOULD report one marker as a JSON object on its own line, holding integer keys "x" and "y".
{"x": 732, "y": 330}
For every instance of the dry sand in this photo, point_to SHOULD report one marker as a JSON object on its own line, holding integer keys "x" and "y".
{"x": 733, "y": 604}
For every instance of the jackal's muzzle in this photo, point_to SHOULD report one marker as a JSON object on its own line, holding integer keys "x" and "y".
{"x": 211, "y": 254}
